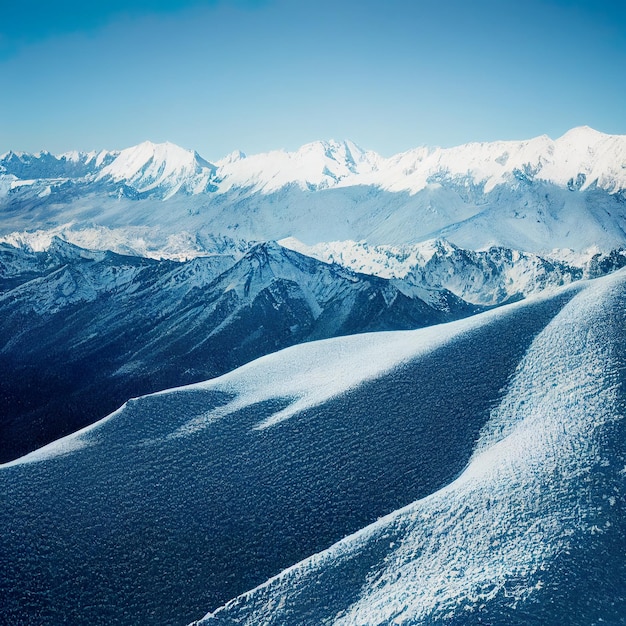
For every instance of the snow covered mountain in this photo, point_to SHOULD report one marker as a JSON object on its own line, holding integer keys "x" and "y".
{"x": 580, "y": 159}
{"x": 124, "y": 326}
{"x": 469, "y": 471}
{"x": 487, "y": 277}
{"x": 532, "y": 196}
{"x": 532, "y": 531}
{"x": 315, "y": 166}
{"x": 466, "y": 472}
{"x": 432, "y": 234}
{"x": 148, "y": 169}
{"x": 160, "y": 170}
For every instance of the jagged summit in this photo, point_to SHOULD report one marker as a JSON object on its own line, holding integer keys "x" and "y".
{"x": 314, "y": 166}
{"x": 236, "y": 155}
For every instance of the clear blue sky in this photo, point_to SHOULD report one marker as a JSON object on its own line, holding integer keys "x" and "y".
{"x": 257, "y": 75}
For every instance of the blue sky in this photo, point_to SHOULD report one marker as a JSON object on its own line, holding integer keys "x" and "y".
{"x": 255, "y": 75}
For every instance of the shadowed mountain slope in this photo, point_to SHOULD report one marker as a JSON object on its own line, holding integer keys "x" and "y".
{"x": 182, "y": 500}
{"x": 81, "y": 331}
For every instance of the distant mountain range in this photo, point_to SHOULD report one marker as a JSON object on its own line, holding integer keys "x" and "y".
{"x": 536, "y": 196}
{"x": 580, "y": 159}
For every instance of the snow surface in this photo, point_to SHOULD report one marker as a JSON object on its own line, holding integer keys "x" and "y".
{"x": 540, "y": 489}
{"x": 327, "y": 370}
{"x": 170, "y": 486}
{"x": 64, "y": 446}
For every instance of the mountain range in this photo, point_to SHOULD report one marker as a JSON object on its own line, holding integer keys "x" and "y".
{"x": 536, "y": 196}
{"x": 314, "y": 387}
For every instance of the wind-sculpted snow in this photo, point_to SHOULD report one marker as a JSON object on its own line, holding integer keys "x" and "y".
{"x": 532, "y": 531}
{"x": 183, "y": 500}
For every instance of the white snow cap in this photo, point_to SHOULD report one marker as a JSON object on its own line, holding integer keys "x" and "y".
{"x": 148, "y": 166}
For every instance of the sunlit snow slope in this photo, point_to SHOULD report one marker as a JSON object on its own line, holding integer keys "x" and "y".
{"x": 531, "y": 532}
{"x": 183, "y": 500}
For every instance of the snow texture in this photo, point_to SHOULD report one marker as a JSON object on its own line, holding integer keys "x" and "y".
{"x": 511, "y": 539}
{"x": 179, "y": 501}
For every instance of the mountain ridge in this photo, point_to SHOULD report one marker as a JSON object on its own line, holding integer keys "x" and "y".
{"x": 488, "y": 163}
{"x": 124, "y": 326}
{"x": 533, "y": 196}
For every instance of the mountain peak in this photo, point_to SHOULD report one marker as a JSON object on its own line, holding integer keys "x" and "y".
{"x": 233, "y": 157}
{"x": 582, "y": 135}
{"x": 584, "y": 138}
{"x": 345, "y": 150}
{"x": 165, "y": 168}
{"x": 266, "y": 253}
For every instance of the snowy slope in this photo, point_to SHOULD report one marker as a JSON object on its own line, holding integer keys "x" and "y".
{"x": 185, "y": 499}
{"x": 124, "y": 326}
{"x": 531, "y": 532}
